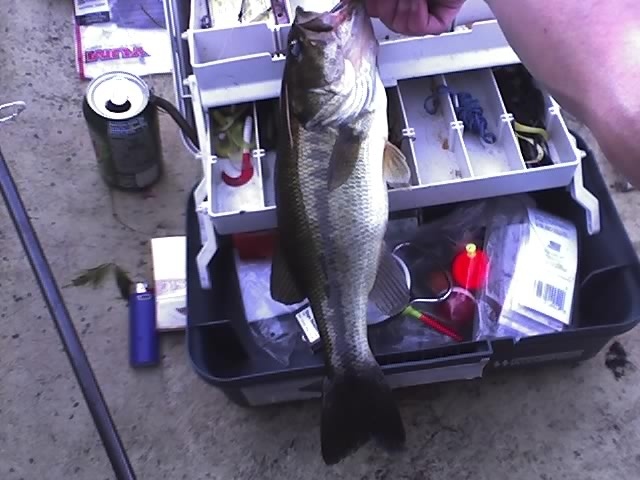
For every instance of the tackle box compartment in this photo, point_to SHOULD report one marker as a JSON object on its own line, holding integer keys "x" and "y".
{"x": 245, "y": 61}
{"x": 217, "y": 67}
{"x": 608, "y": 305}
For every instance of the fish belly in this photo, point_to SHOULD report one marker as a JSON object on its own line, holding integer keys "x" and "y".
{"x": 346, "y": 229}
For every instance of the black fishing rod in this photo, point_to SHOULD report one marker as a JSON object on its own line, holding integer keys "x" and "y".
{"x": 68, "y": 334}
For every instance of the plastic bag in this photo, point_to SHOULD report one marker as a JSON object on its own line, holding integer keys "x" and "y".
{"x": 254, "y": 277}
{"x": 430, "y": 251}
{"x": 531, "y": 267}
{"x": 279, "y": 337}
{"x": 404, "y": 334}
{"x": 527, "y": 290}
{"x": 530, "y": 286}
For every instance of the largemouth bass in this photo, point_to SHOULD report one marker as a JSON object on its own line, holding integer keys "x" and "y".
{"x": 333, "y": 166}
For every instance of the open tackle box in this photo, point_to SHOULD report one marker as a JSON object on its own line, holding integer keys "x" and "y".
{"x": 216, "y": 66}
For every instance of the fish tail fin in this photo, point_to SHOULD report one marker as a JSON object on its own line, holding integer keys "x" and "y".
{"x": 357, "y": 406}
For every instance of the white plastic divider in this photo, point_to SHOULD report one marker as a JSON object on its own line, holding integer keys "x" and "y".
{"x": 491, "y": 170}
{"x": 202, "y": 193}
{"x": 487, "y": 158}
{"x": 223, "y": 203}
{"x": 208, "y": 238}
{"x": 233, "y": 64}
{"x": 248, "y": 197}
{"x": 239, "y": 79}
{"x": 268, "y": 158}
{"x": 483, "y": 45}
{"x": 220, "y": 43}
{"x": 224, "y": 44}
{"x": 201, "y": 121}
{"x": 561, "y": 144}
{"x": 244, "y": 63}
{"x": 440, "y": 153}
{"x": 400, "y": 134}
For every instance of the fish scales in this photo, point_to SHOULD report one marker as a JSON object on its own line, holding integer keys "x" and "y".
{"x": 347, "y": 226}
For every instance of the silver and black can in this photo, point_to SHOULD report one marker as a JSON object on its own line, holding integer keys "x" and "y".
{"x": 124, "y": 129}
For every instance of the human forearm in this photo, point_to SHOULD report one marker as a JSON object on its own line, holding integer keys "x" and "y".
{"x": 585, "y": 53}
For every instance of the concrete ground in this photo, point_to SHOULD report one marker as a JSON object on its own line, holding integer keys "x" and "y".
{"x": 549, "y": 423}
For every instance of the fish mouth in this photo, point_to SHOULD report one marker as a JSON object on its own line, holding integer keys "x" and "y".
{"x": 325, "y": 22}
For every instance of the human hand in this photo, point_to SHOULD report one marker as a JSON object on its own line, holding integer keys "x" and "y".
{"x": 415, "y": 17}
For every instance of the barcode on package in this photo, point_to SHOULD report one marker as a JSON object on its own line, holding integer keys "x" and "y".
{"x": 554, "y": 296}
{"x": 308, "y": 324}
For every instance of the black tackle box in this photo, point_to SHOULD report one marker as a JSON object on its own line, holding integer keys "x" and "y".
{"x": 607, "y": 305}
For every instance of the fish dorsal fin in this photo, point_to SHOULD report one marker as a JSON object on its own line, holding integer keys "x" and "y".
{"x": 344, "y": 157}
{"x": 284, "y": 289}
{"x": 390, "y": 292}
{"x": 396, "y": 168}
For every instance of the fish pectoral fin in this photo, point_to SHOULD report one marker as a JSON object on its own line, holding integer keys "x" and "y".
{"x": 344, "y": 157}
{"x": 284, "y": 289}
{"x": 390, "y": 292}
{"x": 396, "y": 169}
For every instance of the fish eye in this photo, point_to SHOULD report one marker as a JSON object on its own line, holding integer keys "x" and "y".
{"x": 295, "y": 49}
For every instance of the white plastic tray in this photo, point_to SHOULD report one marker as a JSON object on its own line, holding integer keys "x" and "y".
{"x": 224, "y": 66}
{"x": 244, "y": 62}
{"x": 449, "y": 163}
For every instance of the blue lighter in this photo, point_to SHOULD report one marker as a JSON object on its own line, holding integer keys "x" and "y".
{"x": 143, "y": 336}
